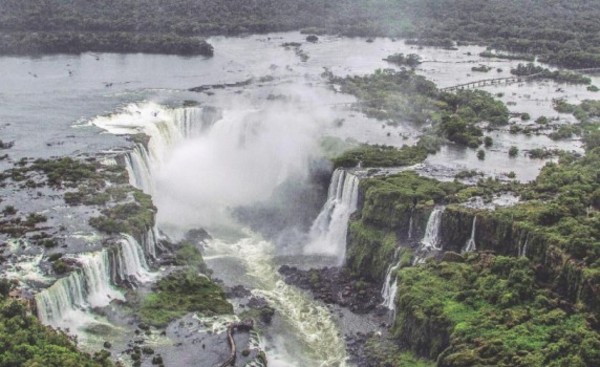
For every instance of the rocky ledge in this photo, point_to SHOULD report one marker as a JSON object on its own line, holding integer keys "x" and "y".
{"x": 335, "y": 286}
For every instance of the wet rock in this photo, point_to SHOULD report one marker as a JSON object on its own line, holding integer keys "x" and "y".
{"x": 260, "y": 310}
{"x": 335, "y": 286}
{"x": 197, "y": 235}
{"x": 157, "y": 359}
{"x": 237, "y": 291}
{"x": 312, "y": 38}
{"x": 452, "y": 256}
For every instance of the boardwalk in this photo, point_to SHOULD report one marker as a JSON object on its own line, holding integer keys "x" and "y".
{"x": 485, "y": 82}
{"x": 505, "y": 81}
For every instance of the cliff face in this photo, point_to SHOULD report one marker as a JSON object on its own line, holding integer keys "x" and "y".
{"x": 382, "y": 222}
{"x": 434, "y": 299}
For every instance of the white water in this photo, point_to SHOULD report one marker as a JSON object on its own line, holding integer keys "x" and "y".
{"x": 329, "y": 231}
{"x": 27, "y": 270}
{"x": 131, "y": 263}
{"x": 431, "y": 240}
{"x": 470, "y": 246}
{"x": 523, "y": 249}
{"x": 410, "y": 227}
{"x": 97, "y": 278}
{"x": 390, "y": 285}
{"x": 66, "y": 303}
{"x": 165, "y": 127}
{"x": 238, "y": 160}
{"x": 313, "y": 338}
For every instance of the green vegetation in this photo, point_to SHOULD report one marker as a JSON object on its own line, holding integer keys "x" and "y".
{"x": 397, "y": 96}
{"x": 134, "y": 217}
{"x": 64, "y": 172}
{"x": 393, "y": 96}
{"x": 513, "y": 151}
{"x": 386, "y": 353}
{"x": 182, "y": 292}
{"x": 388, "y": 205}
{"x": 489, "y": 311}
{"x": 17, "y": 226}
{"x": 489, "y": 54}
{"x": 563, "y": 34}
{"x": 481, "y": 154}
{"x": 24, "y": 341}
{"x": 187, "y": 254}
{"x": 411, "y": 60}
{"x": 533, "y": 303}
{"x": 539, "y": 72}
{"x": 587, "y": 112}
{"x": 86, "y": 41}
{"x": 380, "y": 156}
{"x": 481, "y": 69}
{"x": 540, "y": 153}
{"x": 565, "y": 132}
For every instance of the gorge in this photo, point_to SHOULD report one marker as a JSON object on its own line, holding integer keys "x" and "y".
{"x": 174, "y": 199}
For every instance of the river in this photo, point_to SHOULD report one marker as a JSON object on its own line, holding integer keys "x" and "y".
{"x": 240, "y": 144}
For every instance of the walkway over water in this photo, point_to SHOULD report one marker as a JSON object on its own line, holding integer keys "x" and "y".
{"x": 505, "y": 81}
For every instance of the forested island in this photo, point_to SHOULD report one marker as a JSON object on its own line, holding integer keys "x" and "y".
{"x": 564, "y": 33}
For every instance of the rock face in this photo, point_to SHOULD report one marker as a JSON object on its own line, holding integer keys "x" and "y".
{"x": 383, "y": 221}
{"x": 392, "y": 215}
{"x": 335, "y": 286}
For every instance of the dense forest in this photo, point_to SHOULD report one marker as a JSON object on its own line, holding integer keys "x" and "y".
{"x": 24, "y": 341}
{"x": 562, "y": 32}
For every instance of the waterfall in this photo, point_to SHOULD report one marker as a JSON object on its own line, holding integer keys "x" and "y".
{"x": 165, "y": 128}
{"x": 432, "y": 238}
{"x": 431, "y": 241}
{"x": 137, "y": 163}
{"x": 97, "y": 277}
{"x": 390, "y": 284}
{"x": 523, "y": 249}
{"x": 63, "y": 297}
{"x": 328, "y": 232}
{"x": 93, "y": 285}
{"x": 63, "y": 304}
{"x": 150, "y": 242}
{"x": 130, "y": 263}
{"x": 410, "y": 226}
{"x": 470, "y": 246}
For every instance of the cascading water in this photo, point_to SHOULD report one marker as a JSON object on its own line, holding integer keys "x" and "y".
{"x": 523, "y": 249}
{"x": 329, "y": 231}
{"x": 130, "y": 263}
{"x": 64, "y": 303}
{"x": 137, "y": 163}
{"x": 390, "y": 286}
{"x": 410, "y": 227}
{"x": 470, "y": 246}
{"x": 97, "y": 277}
{"x": 314, "y": 332}
{"x": 239, "y": 161}
{"x": 164, "y": 127}
{"x": 431, "y": 240}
